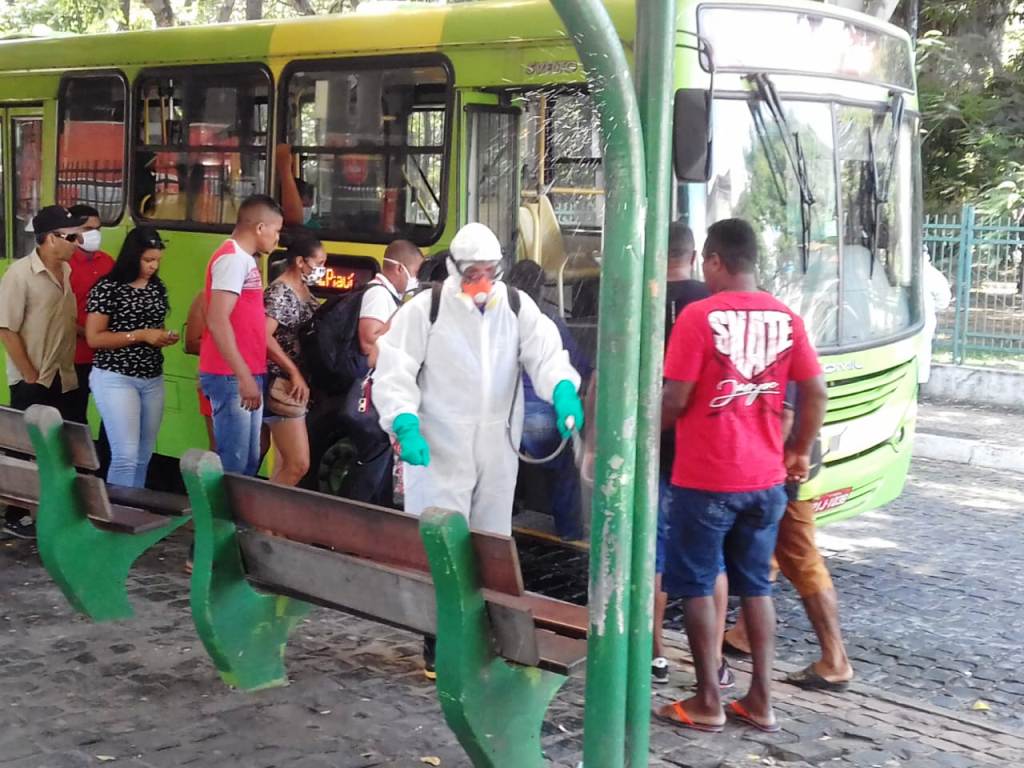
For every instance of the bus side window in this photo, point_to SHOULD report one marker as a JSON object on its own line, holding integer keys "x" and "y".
{"x": 90, "y": 147}
{"x": 200, "y": 143}
{"x": 371, "y": 138}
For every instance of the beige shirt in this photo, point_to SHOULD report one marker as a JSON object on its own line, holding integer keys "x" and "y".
{"x": 41, "y": 310}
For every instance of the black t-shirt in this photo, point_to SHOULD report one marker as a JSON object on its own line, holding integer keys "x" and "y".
{"x": 130, "y": 309}
{"x": 678, "y": 294}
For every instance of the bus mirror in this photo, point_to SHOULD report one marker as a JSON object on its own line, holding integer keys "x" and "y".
{"x": 692, "y": 135}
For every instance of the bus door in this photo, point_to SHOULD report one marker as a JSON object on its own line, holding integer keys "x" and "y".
{"x": 21, "y": 164}
{"x": 490, "y": 167}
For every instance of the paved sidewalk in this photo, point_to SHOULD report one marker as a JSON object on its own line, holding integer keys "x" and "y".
{"x": 142, "y": 694}
{"x": 983, "y": 436}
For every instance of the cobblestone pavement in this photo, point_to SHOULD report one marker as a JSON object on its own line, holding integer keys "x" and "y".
{"x": 142, "y": 693}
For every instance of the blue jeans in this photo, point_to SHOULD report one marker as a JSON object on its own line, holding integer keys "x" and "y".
{"x": 541, "y": 438}
{"x": 131, "y": 409}
{"x": 236, "y": 430}
{"x": 710, "y": 531}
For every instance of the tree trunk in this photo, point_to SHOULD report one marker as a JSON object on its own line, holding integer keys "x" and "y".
{"x": 126, "y": 15}
{"x": 305, "y": 7}
{"x": 224, "y": 14}
{"x": 162, "y": 12}
{"x": 253, "y": 9}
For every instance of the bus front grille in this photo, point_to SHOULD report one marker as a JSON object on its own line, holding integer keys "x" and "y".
{"x": 862, "y": 395}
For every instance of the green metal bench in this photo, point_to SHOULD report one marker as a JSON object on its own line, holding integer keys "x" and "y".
{"x": 264, "y": 552}
{"x": 88, "y": 533}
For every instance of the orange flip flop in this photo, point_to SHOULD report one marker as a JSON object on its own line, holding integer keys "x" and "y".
{"x": 740, "y": 713}
{"x": 683, "y": 720}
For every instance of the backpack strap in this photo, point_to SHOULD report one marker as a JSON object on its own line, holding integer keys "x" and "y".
{"x": 435, "y": 301}
{"x": 514, "y": 302}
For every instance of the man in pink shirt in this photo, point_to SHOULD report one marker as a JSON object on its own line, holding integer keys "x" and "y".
{"x": 233, "y": 350}
{"x": 729, "y": 360}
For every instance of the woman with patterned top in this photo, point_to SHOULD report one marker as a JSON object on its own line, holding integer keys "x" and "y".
{"x": 289, "y": 305}
{"x": 125, "y": 325}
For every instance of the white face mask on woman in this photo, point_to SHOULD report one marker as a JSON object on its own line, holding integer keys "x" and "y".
{"x": 91, "y": 240}
{"x": 315, "y": 276}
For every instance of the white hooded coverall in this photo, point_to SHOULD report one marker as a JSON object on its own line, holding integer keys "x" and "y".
{"x": 460, "y": 377}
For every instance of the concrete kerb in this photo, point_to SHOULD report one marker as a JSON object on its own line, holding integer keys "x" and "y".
{"x": 964, "y": 451}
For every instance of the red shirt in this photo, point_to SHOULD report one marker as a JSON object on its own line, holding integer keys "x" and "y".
{"x": 86, "y": 270}
{"x": 232, "y": 269}
{"x": 740, "y": 348}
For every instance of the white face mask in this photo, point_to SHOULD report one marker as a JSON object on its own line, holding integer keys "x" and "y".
{"x": 91, "y": 240}
{"x": 315, "y": 276}
{"x": 412, "y": 286}
{"x": 307, "y": 214}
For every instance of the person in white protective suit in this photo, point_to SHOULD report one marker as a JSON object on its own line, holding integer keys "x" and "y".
{"x": 448, "y": 389}
{"x": 937, "y": 296}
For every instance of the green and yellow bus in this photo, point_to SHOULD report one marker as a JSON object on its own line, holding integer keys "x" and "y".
{"x": 410, "y": 121}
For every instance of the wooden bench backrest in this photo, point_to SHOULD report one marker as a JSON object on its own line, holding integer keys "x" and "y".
{"x": 14, "y": 437}
{"x": 363, "y": 530}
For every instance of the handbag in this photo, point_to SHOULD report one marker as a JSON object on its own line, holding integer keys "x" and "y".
{"x": 280, "y": 401}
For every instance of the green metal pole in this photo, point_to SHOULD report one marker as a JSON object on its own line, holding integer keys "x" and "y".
{"x": 618, "y": 358}
{"x": 655, "y": 47}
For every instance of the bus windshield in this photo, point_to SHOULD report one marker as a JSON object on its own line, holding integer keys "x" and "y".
{"x": 845, "y": 263}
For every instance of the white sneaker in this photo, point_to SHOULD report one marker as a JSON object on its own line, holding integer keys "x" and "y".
{"x": 659, "y": 670}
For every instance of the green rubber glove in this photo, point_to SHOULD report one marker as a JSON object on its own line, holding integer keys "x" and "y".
{"x": 414, "y": 448}
{"x": 567, "y": 406}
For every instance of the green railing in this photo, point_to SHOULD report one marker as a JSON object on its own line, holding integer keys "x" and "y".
{"x": 983, "y": 259}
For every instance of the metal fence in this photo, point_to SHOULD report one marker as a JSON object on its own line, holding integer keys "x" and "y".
{"x": 982, "y": 259}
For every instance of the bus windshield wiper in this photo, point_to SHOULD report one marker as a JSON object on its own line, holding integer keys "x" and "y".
{"x": 881, "y": 188}
{"x": 768, "y": 96}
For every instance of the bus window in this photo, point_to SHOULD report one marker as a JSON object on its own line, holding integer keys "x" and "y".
{"x": 492, "y": 186}
{"x": 200, "y": 143}
{"x": 91, "y": 145}
{"x": 26, "y": 177}
{"x": 3, "y": 197}
{"x": 371, "y": 140}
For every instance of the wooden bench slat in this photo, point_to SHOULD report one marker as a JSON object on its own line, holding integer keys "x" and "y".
{"x": 77, "y": 437}
{"x": 395, "y": 596}
{"x": 159, "y": 502}
{"x": 129, "y": 520}
{"x": 19, "y": 484}
{"x": 567, "y": 619}
{"x": 376, "y": 533}
{"x": 560, "y": 654}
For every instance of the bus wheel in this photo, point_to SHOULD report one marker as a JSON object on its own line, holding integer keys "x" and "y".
{"x": 335, "y": 466}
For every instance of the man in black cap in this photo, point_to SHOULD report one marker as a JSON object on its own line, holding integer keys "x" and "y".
{"x": 37, "y": 325}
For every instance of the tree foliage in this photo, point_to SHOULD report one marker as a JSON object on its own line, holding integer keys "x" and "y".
{"x": 971, "y": 80}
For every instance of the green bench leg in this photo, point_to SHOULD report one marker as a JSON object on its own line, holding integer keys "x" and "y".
{"x": 245, "y": 632}
{"x": 89, "y": 565}
{"x": 495, "y": 709}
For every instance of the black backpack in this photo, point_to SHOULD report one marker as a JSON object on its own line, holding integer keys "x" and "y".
{"x": 330, "y": 342}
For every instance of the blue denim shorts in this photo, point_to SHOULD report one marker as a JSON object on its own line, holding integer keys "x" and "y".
{"x": 664, "y": 499}
{"x": 709, "y": 532}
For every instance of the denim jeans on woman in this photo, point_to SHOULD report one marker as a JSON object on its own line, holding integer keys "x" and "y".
{"x": 541, "y": 438}
{"x": 132, "y": 409}
{"x": 236, "y": 430}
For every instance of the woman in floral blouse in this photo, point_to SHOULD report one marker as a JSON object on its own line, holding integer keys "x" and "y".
{"x": 289, "y": 305}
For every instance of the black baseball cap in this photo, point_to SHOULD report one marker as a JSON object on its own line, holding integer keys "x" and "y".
{"x": 54, "y": 217}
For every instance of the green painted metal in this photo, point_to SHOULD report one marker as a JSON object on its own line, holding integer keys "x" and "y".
{"x": 495, "y": 709}
{"x": 89, "y": 565}
{"x": 618, "y": 360}
{"x": 980, "y": 255}
{"x": 655, "y": 46}
{"x": 244, "y": 631}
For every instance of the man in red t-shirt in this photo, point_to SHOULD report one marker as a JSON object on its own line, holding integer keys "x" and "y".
{"x": 88, "y": 265}
{"x": 729, "y": 360}
{"x": 233, "y": 349}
